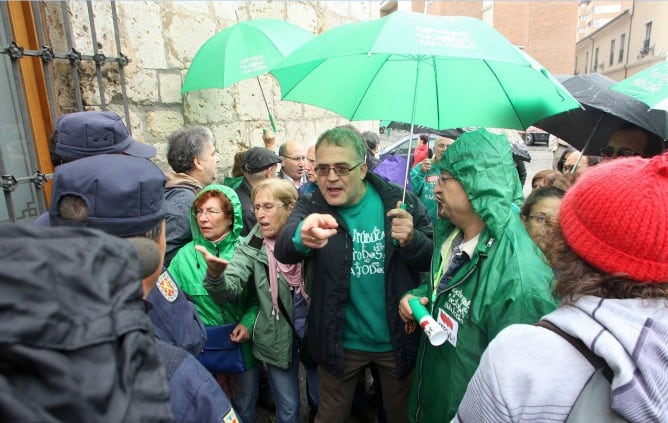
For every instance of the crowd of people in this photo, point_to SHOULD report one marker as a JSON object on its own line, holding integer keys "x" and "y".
{"x": 551, "y": 308}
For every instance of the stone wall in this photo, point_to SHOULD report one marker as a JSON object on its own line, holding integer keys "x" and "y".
{"x": 161, "y": 38}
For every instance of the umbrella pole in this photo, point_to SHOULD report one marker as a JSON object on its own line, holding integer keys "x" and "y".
{"x": 271, "y": 118}
{"x": 410, "y": 138}
{"x": 584, "y": 148}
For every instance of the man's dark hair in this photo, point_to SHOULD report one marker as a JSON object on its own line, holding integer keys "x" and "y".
{"x": 283, "y": 149}
{"x": 185, "y": 145}
{"x": 424, "y": 138}
{"x": 562, "y": 159}
{"x": 371, "y": 138}
{"x": 654, "y": 145}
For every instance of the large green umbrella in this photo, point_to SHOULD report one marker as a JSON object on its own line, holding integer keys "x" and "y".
{"x": 649, "y": 86}
{"x": 435, "y": 71}
{"x": 244, "y": 50}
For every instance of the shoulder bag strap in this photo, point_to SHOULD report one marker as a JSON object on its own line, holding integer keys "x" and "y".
{"x": 595, "y": 360}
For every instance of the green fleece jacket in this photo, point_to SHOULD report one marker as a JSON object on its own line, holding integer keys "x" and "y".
{"x": 506, "y": 280}
{"x": 188, "y": 269}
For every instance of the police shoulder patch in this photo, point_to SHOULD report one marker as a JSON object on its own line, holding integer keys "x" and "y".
{"x": 167, "y": 287}
{"x": 231, "y": 417}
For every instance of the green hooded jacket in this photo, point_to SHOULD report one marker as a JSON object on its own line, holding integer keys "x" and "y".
{"x": 506, "y": 280}
{"x": 188, "y": 269}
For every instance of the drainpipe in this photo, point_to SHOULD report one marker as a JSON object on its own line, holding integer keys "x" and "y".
{"x": 628, "y": 42}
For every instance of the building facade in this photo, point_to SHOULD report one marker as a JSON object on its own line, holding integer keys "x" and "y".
{"x": 634, "y": 40}
{"x": 593, "y": 14}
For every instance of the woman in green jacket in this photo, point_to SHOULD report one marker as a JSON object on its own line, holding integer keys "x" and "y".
{"x": 216, "y": 222}
{"x": 280, "y": 289}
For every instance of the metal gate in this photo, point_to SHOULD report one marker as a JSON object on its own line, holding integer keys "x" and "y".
{"x": 21, "y": 179}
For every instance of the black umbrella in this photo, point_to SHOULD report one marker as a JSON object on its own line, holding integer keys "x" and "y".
{"x": 604, "y": 111}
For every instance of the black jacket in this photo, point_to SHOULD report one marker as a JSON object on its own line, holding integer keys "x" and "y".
{"x": 244, "y": 193}
{"x": 331, "y": 267}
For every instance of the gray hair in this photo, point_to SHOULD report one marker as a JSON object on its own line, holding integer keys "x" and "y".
{"x": 185, "y": 145}
{"x": 344, "y": 137}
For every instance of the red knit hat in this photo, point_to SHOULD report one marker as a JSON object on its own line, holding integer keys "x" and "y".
{"x": 616, "y": 218}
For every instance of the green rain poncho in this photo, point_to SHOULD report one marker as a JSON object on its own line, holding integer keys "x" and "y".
{"x": 506, "y": 280}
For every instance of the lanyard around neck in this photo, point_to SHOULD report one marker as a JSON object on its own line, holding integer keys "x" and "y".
{"x": 448, "y": 242}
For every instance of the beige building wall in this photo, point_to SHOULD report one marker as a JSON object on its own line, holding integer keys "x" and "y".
{"x": 161, "y": 38}
{"x": 628, "y": 31}
{"x": 615, "y": 32}
{"x": 644, "y": 12}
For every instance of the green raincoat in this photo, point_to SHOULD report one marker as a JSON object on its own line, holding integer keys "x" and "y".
{"x": 506, "y": 280}
{"x": 188, "y": 269}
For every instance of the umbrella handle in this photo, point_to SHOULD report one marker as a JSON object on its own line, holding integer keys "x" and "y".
{"x": 273, "y": 125}
{"x": 395, "y": 242}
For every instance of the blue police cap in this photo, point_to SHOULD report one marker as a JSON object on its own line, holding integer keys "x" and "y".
{"x": 124, "y": 194}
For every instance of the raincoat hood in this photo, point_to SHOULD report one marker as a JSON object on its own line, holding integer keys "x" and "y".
{"x": 225, "y": 247}
{"x": 483, "y": 164}
{"x": 629, "y": 334}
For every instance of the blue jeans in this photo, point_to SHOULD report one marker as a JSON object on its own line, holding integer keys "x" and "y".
{"x": 285, "y": 389}
{"x": 312, "y": 386}
{"x": 245, "y": 399}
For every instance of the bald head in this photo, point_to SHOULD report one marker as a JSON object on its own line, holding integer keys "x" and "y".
{"x": 293, "y": 160}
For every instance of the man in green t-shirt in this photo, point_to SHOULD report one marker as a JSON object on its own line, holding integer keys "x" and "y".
{"x": 361, "y": 249}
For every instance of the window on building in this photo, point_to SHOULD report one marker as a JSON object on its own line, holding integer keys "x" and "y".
{"x": 648, "y": 37}
{"x": 612, "y": 52}
{"x": 622, "y": 43}
{"x": 586, "y": 62}
{"x": 576, "y": 65}
{"x": 595, "y": 67}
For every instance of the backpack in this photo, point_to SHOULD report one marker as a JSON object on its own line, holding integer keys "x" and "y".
{"x": 593, "y": 403}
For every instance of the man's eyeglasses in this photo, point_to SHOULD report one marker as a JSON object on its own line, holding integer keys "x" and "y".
{"x": 442, "y": 179}
{"x": 296, "y": 158}
{"x": 339, "y": 170}
{"x": 268, "y": 207}
{"x": 207, "y": 212}
{"x": 610, "y": 151}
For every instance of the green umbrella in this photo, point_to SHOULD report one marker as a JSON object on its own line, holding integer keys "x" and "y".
{"x": 435, "y": 71}
{"x": 241, "y": 51}
{"x": 649, "y": 86}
